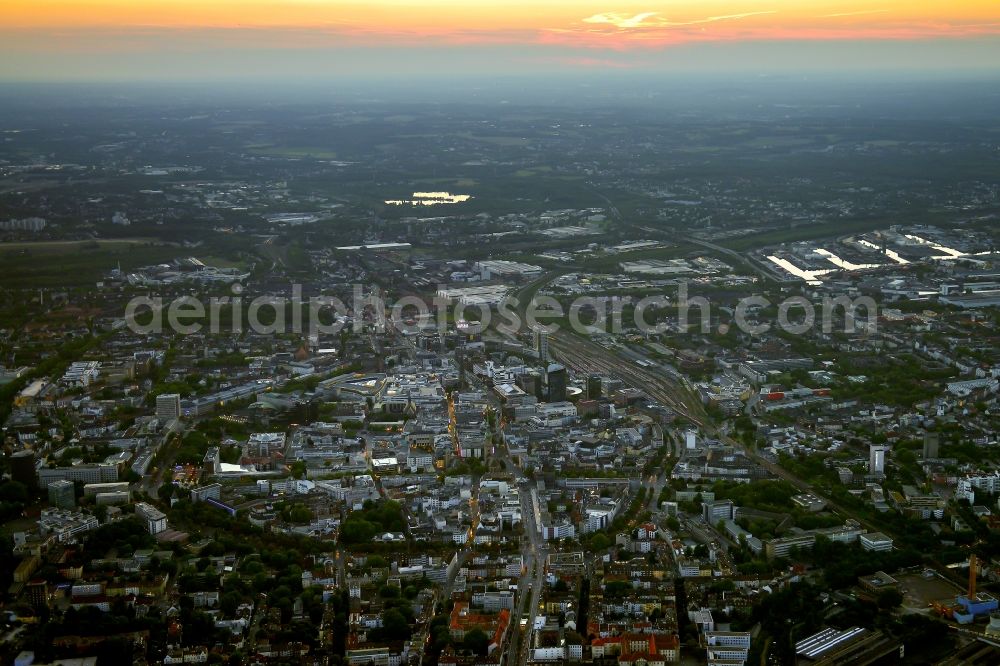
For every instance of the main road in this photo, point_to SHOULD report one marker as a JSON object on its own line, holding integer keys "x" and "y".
{"x": 533, "y": 555}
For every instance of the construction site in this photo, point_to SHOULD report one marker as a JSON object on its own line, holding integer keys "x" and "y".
{"x": 966, "y": 608}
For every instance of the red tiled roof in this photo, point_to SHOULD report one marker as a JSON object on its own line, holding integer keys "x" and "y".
{"x": 462, "y": 620}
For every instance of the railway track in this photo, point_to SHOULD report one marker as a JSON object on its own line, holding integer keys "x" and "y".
{"x": 586, "y": 356}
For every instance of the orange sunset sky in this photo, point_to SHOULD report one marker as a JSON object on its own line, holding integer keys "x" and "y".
{"x": 106, "y": 38}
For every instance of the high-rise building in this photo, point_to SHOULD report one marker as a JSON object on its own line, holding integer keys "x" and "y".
{"x": 37, "y": 592}
{"x": 594, "y": 387}
{"x": 168, "y": 406}
{"x": 556, "y": 379}
{"x": 931, "y": 442}
{"x": 542, "y": 346}
{"x": 62, "y": 494}
{"x": 22, "y": 468}
{"x": 876, "y": 458}
{"x": 531, "y": 383}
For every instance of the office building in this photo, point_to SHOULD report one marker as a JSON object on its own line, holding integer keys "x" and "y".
{"x": 493, "y": 601}
{"x": 556, "y": 378}
{"x": 62, "y": 494}
{"x": 94, "y": 489}
{"x": 531, "y": 383}
{"x": 594, "y": 387}
{"x": 81, "y": 373}
{"x": 809, "y": 502}
{"x": 88, "y": 473}
{"x": 22, "y": 468}
{"x": 156, "y": 520}
{"x": 202, "y": 493}
{"x": 931, "y": 442}
{"x": 726, "y": 648}
{"x": 875, "y": 542}
{"x": 876, "y": 458}
{"x": 65, "y": 525}
{"x": 718, "y": 510}
{"x": 37, "y": 593}
{"x": 782, "y": 546}
{"x": 168, "y": 406}
{"x": 113, "y": 498}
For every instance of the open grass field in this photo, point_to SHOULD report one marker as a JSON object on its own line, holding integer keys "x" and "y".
{"x": 533, "y": 171}
{"x": 75, "y": 263}
{"x": 802, "y": 232}
{"x": 314, "y": 152}
{"x": 57, "y": 245}
{"x": 610, "y": 263}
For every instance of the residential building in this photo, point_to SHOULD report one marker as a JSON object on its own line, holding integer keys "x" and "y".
{"x": 156, "y": 520}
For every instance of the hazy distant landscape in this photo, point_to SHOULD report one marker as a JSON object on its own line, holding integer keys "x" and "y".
{"x": 729, "y": 158}
{"x": 499, "y": 333}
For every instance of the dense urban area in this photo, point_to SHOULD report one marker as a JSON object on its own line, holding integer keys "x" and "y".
{"x": 759, "y": 426}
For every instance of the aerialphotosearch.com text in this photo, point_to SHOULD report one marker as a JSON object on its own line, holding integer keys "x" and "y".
{"x": 368, "y": 308}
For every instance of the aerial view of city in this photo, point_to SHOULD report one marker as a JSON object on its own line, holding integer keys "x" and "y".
{"x": 440, "y": 333}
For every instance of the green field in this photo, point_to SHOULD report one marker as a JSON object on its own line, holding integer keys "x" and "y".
{"x": 533, "y": 171}
{"x": 74, "y": 263}
{"x": 70, "y": 245}
{"x": 222, "y": 262}
{"x": 314, "y": 152}
{"x": 814, "y": 231}
{"x": 502, "y": 141}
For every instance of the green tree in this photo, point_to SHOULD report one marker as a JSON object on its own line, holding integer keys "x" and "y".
{"x": 889, "y": 599}
{"x": 395, "y": 625}
{"x": 166, "y": 491}
{"x": 299, "y": 514}
{"x": 476, "y": 641}
{"x": 600, "y": 541}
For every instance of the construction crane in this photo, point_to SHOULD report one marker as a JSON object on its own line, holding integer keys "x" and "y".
{"x": 973, "y": 566}
{"x": 948, "y": 610}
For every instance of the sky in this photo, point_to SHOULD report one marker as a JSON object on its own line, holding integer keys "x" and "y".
{"x": 194, "y": 40}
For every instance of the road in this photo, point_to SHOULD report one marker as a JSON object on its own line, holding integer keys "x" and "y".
{"x": 659, "y": 479}
{"x": 534, "y": 550}
{"x": 153, "y": 479}
{"x": 732, "y": 254}
{"x": 533, "y": 553}
{"x": 449, "y": 583}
